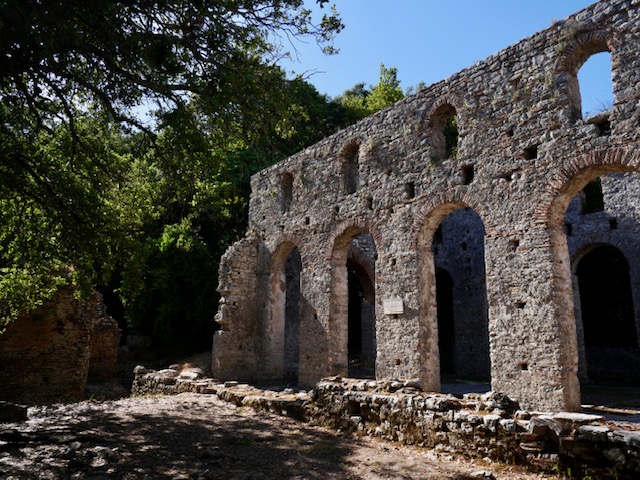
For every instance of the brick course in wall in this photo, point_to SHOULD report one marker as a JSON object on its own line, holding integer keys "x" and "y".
{"x": 46, "y": 355}
{"x": 523, "y": 152}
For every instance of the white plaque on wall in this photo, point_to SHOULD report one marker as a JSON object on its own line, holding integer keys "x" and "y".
{"x": 393, "y": 306}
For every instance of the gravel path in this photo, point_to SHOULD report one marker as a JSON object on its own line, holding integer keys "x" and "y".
{"x": 192, "y": 436}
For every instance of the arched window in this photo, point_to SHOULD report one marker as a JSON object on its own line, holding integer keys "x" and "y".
{"x": 287, "y": 192}
{"x": 444, "y": 133}
{"x": 596, "y": 89}
{"x": 587, "y": 64}
{"x": 350, "y": 167}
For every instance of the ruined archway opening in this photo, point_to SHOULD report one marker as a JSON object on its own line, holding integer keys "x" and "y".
{"x": 353, "y": 316}
{"x": 293, "y": 270}
{"x": 446, "y": 325}
{"x": 461, "y": 302}
{"x": 601, "y": 229}
{"x": 607, "y": 314}
{"x": 282, "y": 334}
{"x": 444, "y": 133}
{"x": 350, "y": 167}
{"x": 597, "y": 99}
{"x": 587, "y": 65}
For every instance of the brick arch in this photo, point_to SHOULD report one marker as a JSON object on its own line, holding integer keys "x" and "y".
{"x": 453, "y": 100}
{"x": 438, "y": 206}
{"x": 336, "y": 256}
{"x": 348, "y": 146}
{"x": 594, "y": 241}
{"x": 432, "y": 105}
{"x": 426, "y": 221}
{"x": 568, "y": 180}
{"x": 573, "y": 57}
{"x": 284, "y": 245}
{"x": 342, "y": 235}
{"x": 583, "y": 46}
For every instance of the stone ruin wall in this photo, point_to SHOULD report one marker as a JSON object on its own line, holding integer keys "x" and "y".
{"x": 48, "y": 354}
{"x": 523, "y": 153}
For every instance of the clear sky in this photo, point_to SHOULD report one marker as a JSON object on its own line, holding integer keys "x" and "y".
{"x": 428, "y": 40}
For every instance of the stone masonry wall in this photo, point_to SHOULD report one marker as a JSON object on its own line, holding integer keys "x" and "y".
{"x": 523, "y": 152}
{"x": 486, "y": 425}
{"x": 45, "y": 355}
{"x": 105, "y": 342}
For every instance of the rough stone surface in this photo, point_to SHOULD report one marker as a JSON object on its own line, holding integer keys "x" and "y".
{"x": 523, "y": 152}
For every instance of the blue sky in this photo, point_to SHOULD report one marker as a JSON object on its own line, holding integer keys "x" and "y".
{"x": 428, "y": 40}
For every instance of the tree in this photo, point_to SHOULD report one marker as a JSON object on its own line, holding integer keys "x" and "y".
{"x": 359, "y": 101}
{"x": 73, "y": 77}
{"x": 386, "y": 92}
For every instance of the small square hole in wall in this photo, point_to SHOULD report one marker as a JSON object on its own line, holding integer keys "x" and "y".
{"x": 514, "y": 243}
{"x": 521, "y": 305}
{"x": 409, "y": 190}
{"x": 603, "y": 127}
{"x": 467, "y": 174}
{"x": 370, "y": 203}
{"x": 393, "y": 262}
{"x": 613, "y": 224}
{"x": 508, "y": 176}
{"x": 510, "y": 133}
{"x": 336, "y": 210}
{"x": 307, "y": 220}
{"x": 530, "y": 153}
{"x": 524, "y": 366}
{"x": 568, "y": 229}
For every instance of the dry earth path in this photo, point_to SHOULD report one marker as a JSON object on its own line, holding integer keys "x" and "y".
{"x": 190, "y": 436}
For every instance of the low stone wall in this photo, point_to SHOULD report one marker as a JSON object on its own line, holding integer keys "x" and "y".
{"x": 476, "y": 425}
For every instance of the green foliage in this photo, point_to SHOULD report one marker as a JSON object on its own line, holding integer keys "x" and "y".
{"x": 360, "y": 102}
{"x": 386, "y": 92}
{"x": 174, "y": 302}
{"x": 451, "y": 137}
{"x": 130, "y": 207}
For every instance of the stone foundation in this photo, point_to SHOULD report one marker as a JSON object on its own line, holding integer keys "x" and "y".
{"x": 477, "y": 425}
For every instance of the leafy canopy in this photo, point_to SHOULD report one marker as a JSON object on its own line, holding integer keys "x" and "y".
{"x": 113, "y": 113}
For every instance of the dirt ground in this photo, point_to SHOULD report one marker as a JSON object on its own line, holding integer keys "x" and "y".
{"x": 192, "y": 436}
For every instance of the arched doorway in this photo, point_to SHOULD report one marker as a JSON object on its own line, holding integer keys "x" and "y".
{"x": 446, "y": 324}
{"x": 282, "y": 349}
{"x": 600, "y": 227}
{"x": 461, "y": 297}
{"x": 353, "y": 318}
{"x": 607, "y": 315}
{"x": 453, "y": 300}
{"x": 361, "y": 338}
{"x": 292, "y": 269}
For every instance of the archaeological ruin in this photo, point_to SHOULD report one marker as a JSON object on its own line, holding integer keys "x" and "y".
{"x": 49, "y": 354}
{"x": 485, "y": 228}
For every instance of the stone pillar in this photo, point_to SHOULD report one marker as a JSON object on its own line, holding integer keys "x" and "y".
{"x": 532, "y": 330}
